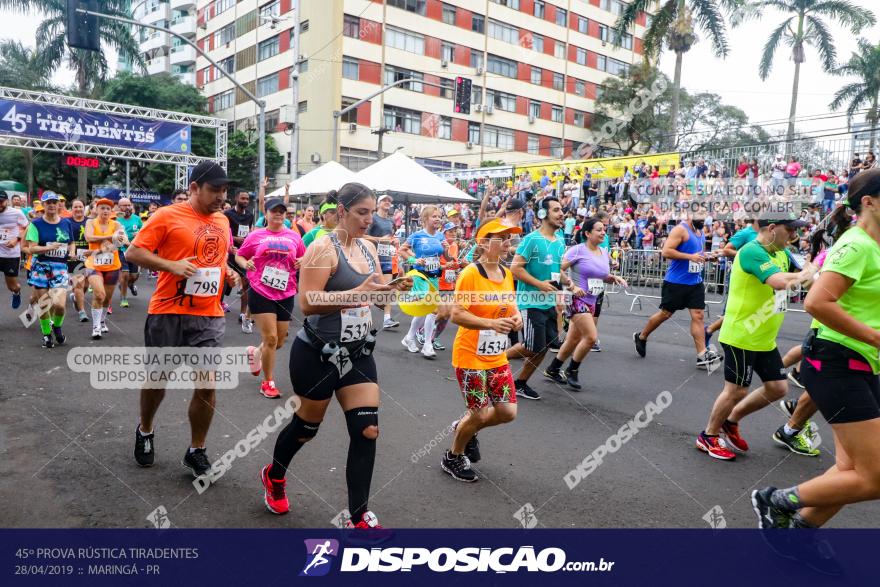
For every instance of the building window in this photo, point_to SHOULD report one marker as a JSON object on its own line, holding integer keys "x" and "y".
{"x": 603, "y": 33}
{"x": 538, "y": 43}
{"x": 556, "y": 148}
{"x": 501, "y": 100}
{"x": 599, "y": 91}
{"x": 226, "y": 34}
{"x": 350, "y": 68}
{"x": 613, "y": 6}
{"x": 579, "y": 118}
{"x": 351, "y": 26}
{"x": 536, "y": 75}
{"x": 556, "y": 114}
{"x": 224, "y": 100}
{"x": 558, "y": 81}
{"x": 417, "y": 6}
{"x": 534, "y": 109}
{"x": 533, "y": 145}
{"x": 500, "y": 138}
{"x": 561, "y": 16}
{"x": 502, "y": 66}
{"x": 559, "y": 50}
{"x": 267, "y": 85}
{"x": 601, "y": 62}
{"x": 509, "y": 3}
{"x": 447, "y": 89}
{"x": 580, "y": 88}
{"x": 476, "y": 95}
{"x": 478, "y": 23}
{"x": 627, "y": 41}
{"x": 616, "y": 67}
{"x": 403, "y": 120}
{"x": 474, "y": 133}
{"x": 583, "y": 25}
{"x": 272, "y": 119}
{"x": 395, "y": 74}
{"x": 405, "y": 40}
{"x": 539, "y": 9}
{"x": 444, "y": 130}
{"x": 449, "y": 14}
{"x": 223, "y": 6}
{"x": 304, "y": 26}
{"x": 476, "y": 59}
{"x": 270, "y": 10}
{"x": 268, "y": 48}
{"x": 503, "y": 32}
{"x": 228, "y": 64}
{"x": 447, "y": 52}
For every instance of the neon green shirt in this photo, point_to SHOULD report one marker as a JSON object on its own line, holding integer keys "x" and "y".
{"x": 750, "y": 322}
{"x": 857, "y": 256}
{"x": 313, "y": 234}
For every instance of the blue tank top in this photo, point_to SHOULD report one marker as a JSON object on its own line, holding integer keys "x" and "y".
{"x": 680, "y": 270}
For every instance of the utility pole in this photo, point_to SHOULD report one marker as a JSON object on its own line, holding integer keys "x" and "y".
{"x": 380, "y": 153}
{"x": 294, "y": 84}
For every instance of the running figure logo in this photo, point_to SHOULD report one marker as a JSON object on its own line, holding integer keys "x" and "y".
{"x": 318, "y": 556}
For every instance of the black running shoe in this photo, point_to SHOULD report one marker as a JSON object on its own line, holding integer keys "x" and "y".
{"x": 554, "y": 346}
{"x": 523, "y": 390}
{"x": 554, "y": 375}
{"x": 59, "y": 336}
{"x": 48, "y": 342}
{"x": 144, "y": 448}
{"x": 788, "y": 406}
{"x": 472, "y": 449}
{"x": 458, "y": 467}
{"x": 197, "y": 462}
{"x": 571, "y": 377}
{"x": 769, "y": 516}
{"x": 641, "y": 345}
{"x": 133, "y": 288}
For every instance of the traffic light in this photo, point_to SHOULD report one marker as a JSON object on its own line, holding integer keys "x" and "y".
{"x": 82, "y": 29}
{"x": 462, "y": 95}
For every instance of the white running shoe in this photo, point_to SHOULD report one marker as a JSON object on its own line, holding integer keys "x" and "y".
{"x": 104, "y": 329}
{"x": 428, "y": 351}
{"x": 96, "y": 332}
{"x": 247, "y": 326}
{"x": 410, "y": 344}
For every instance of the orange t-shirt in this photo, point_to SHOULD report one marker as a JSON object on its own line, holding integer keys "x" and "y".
{"x": 177, "y": 232}
{"x": 449, "y": 267}
{"x": 472, "y": 348}
{"x": 111, "y": 261}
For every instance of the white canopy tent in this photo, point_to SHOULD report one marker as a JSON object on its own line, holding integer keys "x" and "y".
{"x": 329, "y": 176}
{"x": 408, "y": 182}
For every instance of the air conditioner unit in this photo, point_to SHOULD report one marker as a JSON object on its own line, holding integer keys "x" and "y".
{"x": 468, "y": 145}
{"x": 490, "y": 108}
{"x": 604, "y": 43}
{"x": 479, "y": 71}
{"x": 444, "y": 63}
{"x": 478, "y": 107}
{"x": 286, "y": 114}
{"x": 352, "y": 127}
{"x": 316, "y": 157}
{"x": 531, "y": 119}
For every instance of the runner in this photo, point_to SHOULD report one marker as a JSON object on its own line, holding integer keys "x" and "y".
{"x": 76, "y": 266}
{"x": 591, "y": 269}
{"x": 422, "y": 250}
{"x": 329, "y": 220}
{"x": 271, "y": 257}
{"x": 536, "y": 267}
{"x": 188, "y": 245}
{"x": 13, "y": 224}
{"x": 381, "y": 234}
{"x": 332, "y": 354}
{"x": 757, "y": 302}
{"x": 683, "y": 288}
{"x": 449, "y": 268}
{"x": 241, "y": 221}
{"x": 180, "y": 196}
{"x": 50, "y": 240}
{"x": 131, "y": 223}
{"x": 841, "y": 371}
{"x": 104, "y": 236}
{"x": 481, "y": 367}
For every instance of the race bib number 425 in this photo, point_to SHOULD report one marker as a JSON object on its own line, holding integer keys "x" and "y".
{"x": 205, "y": 283}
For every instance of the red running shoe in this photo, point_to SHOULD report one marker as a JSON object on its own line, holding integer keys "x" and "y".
{"x": 715, "y": 447}
{"x": 273, "y": 493}
{"x": 368, "y": 530}
{"x": 255, "y": 364}
{"x": 268, "y": 389}
{"x": 731, "y": 432}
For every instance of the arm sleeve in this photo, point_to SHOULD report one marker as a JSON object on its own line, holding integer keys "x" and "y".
{"x": 32, "y": 234}
{"x": 524, "y": 249}
{"x": 756, "y": 261}
{"x": 248, "y": 247}
{"x": 849, "y": 260}
{"x": 153, "y": 233}
{"x": 465, "y": 283}
{"x": 22, "y": 220}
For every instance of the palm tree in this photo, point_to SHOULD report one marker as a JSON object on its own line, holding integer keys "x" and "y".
{"x": 675, "y": 23}
{"x": 90, "y": 67}
{"x": 865, "y": 65}
{"x": 804, "y": 26}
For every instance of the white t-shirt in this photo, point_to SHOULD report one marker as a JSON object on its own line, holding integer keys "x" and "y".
{"x": 12, "y": 225}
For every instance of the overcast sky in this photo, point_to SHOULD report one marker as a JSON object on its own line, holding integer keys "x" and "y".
{"x": 735, "y": 78}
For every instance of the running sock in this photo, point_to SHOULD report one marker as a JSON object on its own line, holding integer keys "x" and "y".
{"x": 361, "y": 458}
{"x": 787, "y": 499}
{"x": 573, "y": 366}
{"x": 430, "y": 321}
{"x": 440, "y": 327}
{"x": 790, "y": 431}
{"x": 96, "y": 316}
{"x": 288, "y": 444}
{"x": 414, "y": 327}
{"x": 45, "y": 326}
{"x": 555, "y": 364}
{"x": 388, "y": 315}
{"x": 799, "y": 522}
{"x": 57, "y": 320}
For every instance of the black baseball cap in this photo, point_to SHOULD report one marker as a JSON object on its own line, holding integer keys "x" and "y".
{"x": 209, "y": 172}
{"x": 272, "y": 203}
{"x": 515, "y": 204}
{"x": 865, "y": 183}
{"x": 4, "y": 195}
{"x": 791, "y": 224}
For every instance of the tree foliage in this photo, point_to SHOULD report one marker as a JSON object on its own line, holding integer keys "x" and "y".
{"x": 243, "y": 152}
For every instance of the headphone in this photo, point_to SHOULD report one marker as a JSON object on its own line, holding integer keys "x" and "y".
{"x": 545, "y": 206}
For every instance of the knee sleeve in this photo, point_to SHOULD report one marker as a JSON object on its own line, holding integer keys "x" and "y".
{"x": 299, "y": 428}
{"x": 359, "y": 419}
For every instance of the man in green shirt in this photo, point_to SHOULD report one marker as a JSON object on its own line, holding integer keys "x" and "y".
{"x": 741, "y": 238}
{"x": 132, "y": 223}
{"x": 756, "y": 305}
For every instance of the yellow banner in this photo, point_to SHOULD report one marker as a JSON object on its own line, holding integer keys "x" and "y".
{"x": 607, "y": 168}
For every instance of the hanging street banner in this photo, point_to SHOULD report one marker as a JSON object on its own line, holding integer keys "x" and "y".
{"x": 74, "y": 126}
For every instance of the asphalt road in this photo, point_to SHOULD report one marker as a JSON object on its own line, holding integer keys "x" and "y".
{"x": 66, "y": 448}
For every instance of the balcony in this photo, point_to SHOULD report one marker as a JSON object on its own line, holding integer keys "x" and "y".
{"x": 187, "y": 77}
{"x": 156, "y": 40}
{"x": 160, "y": 12}
{"x": 157, "y": 65}
{"x": 182, "y": 4}
{"x": 183, "y": 55}
{"x": 184, "y": 25}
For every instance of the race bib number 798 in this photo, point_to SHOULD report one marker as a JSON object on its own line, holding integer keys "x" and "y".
{"x": 205, "y": 282}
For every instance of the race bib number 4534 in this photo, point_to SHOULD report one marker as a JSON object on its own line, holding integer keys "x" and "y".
{"x": 491, "y": 343}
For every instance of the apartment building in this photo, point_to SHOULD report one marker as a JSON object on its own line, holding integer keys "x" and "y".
{"x": 163, "y": 53}
{"x": 537, "y": 66}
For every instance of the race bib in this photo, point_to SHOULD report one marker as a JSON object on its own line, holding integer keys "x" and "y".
{"x": 5, "y": 235}
{"x": 554, "y": 277}
{"x": 449, "y": 275}
{"x": 59, "y": 253}
{"x": 205, "y": 283}
{"x": 103, "y": 259}
{"x": 780, "y": 301}
{"x": 275, "y": 277}
{"x": 491, "y": 343}
{"x": 596, "y": 286}
{"x": 385, "y": 249}
{"x": 356, "y": 323}
{"x": 81, "y": 254}
{"x": 432, "y": 264}
{"x": 243, "y": 230}
{"x": 694, "y": 267}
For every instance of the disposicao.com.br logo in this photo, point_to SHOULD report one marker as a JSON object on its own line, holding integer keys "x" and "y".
{"x": 319, "y": 556}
